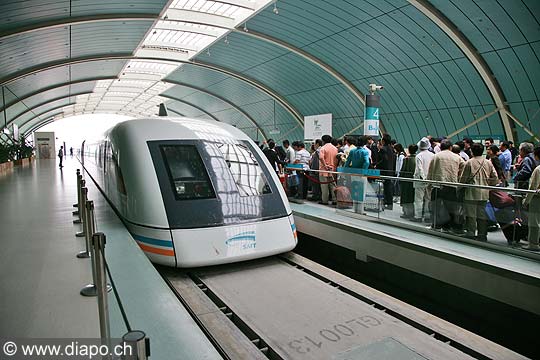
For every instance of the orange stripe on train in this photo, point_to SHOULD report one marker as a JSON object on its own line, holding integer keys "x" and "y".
{"x": 154, "y": 250}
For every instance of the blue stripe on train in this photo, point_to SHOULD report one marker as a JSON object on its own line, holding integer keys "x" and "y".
{"x": 147, "y": 240}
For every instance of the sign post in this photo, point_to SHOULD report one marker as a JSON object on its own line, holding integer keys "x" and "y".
{"x": 371, "y": 115}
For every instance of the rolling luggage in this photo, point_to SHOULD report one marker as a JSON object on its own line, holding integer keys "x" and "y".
{"x": 514, "y": 226}
{"x": 373, "y": 200}
{"x": 343, "y": 197}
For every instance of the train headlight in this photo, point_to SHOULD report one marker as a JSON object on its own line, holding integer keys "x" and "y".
{"x": 180, "y": 187}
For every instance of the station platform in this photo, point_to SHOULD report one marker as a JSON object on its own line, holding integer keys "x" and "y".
{"x": 41, "y": 279}
{"x": 40, "y": 276}
{"x": 491, "y": 271}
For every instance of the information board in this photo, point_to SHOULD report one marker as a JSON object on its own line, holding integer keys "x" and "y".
{"x": 315, "y": 126}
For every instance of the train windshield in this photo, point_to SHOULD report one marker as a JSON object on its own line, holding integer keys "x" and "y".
{"x": 187, "y": 173}
{"x": 214, "y": 182}
{"x": 245, "y": 169}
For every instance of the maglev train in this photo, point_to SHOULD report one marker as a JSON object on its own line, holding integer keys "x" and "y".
{"x": 192, "y": 192}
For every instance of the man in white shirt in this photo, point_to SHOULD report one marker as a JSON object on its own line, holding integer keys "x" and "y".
{"x": 303, "y": 157}
{"x": 289, "y": 152}
{"x": 422, "y": 192}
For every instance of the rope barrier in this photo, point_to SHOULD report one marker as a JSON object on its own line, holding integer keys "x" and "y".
{"x": 116, "y": 295}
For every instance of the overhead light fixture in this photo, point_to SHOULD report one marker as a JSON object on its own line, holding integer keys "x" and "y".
{"x": 226, "y": 41}
{"x": 245, "y": 27}
{"x": 208, "y": 52}
{"x": 276, "y": 11}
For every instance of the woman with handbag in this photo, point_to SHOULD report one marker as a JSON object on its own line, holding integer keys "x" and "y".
{"x": 477, "y": 171}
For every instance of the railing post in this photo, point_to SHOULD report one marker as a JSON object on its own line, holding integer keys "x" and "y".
{"x": 90, "y": 289}
{"x": 82, "y": 209}
{"x": 79, "y": 178}
{"x": 98, "y": 244}
{"x": 138, "y": 344}
{"x": 89, "y": 228}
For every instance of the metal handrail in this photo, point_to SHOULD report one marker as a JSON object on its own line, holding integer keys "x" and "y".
{"x": 431, "y": 182}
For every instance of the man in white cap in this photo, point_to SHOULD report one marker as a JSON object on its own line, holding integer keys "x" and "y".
{"x": 422, "y": 196}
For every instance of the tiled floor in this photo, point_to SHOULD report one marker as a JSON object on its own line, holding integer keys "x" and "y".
{"x": 40, "y": 277}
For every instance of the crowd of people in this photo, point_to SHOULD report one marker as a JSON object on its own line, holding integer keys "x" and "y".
{"x": 464, "y": 211}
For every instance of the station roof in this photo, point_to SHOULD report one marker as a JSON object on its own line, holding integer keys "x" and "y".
{"x": 448, "y": 67}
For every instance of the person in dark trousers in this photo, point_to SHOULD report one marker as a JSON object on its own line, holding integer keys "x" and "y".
{"x": 272, "y": 156}
{"x": 406, "y": 188}
{"x": 387, "y": 163}
{"x": 71, "y": 151}
{"x": 61, "y": 156}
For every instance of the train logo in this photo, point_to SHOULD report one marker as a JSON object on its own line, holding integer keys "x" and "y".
{"x": 246, "y": 240}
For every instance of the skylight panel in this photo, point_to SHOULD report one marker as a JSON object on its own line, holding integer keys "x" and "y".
{"x": 187, "y": 28}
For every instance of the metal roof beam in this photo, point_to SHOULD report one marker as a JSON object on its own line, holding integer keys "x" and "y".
{"x": 178, "y": 26}
{"x": 239, "y": 3}
{"x": 251, "y": 120}
{"x": 45, "y": 103}
{"x": 41, "y": 124}
{"x": 199, "y": 17}
{"x": 85, "y": 59}
{"x": 52, "y": 87}
{"x": 464, "y": 44}
{"x": 75, "y": 20}
{"x": 176, "y": 112}
{"x": 307, "y": 56}
{"x": 43, "y": 113}
{"x": 194, "y": 106}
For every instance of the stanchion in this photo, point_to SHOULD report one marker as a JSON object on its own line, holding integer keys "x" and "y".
{"x": 78, "y": 185}
{"x": 138, "y": 344}
{"x": 79, "y": 178}
{"x": 82, "y": 218}
{"x": 98, "y": 245}
{"x": 90, "y": 289}
{"x": 89, "y": 228}
{"x": 82, "y": 183}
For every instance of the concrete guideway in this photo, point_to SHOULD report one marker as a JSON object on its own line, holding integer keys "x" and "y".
{"x": 295, "y": 315}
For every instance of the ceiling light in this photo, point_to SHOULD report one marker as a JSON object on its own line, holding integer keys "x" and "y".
{"x": 226, "y": 41}
{"x": 245, "y": 27}
{"x": 276, "y": 11}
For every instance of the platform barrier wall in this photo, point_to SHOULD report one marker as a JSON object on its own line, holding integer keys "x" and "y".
{"x": 490, "y": 215}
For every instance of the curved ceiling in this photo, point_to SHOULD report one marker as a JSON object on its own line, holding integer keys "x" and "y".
{"x": 448, "y": 67}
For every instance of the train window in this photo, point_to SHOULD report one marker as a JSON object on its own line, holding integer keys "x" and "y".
{"x": 187, "y": 173}
{"x": 245, "y": 169}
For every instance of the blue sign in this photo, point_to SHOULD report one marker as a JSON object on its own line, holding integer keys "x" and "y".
{"x": 366, "y": 172}
{"x": 372, "y": 113}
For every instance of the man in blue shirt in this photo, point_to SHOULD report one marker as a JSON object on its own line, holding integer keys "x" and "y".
{"x": 506, "y": 158}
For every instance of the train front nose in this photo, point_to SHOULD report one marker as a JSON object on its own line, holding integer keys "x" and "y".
{"x": 225, "y": 244}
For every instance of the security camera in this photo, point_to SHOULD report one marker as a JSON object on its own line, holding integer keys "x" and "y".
{"x": 373, "y": 87}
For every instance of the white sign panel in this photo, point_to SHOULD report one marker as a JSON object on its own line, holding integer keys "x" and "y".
{"x": 44, "y": 143}
{"x": 15, "y": 132}
{"x": 371, "y": 127}
{"x": 315, "y": 126}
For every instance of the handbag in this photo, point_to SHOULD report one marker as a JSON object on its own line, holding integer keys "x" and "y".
{"x": 292, "y": 180}
{"x": 500, "y": 199}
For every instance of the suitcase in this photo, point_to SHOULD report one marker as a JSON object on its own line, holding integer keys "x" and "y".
{"x": 373, "y": 200}
{"x": 513, "y": 227}
{"x": 515, "y": 232}
{"x": 343, "y": 197}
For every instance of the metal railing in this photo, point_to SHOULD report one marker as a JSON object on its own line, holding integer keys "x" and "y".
{"x": 513, "y": 228}
{"x": 135, "y": 340}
